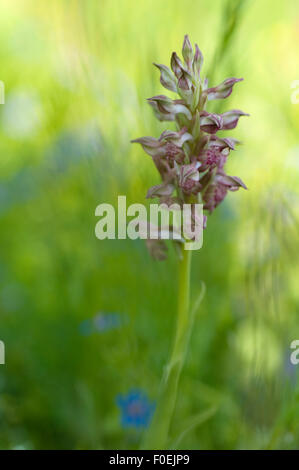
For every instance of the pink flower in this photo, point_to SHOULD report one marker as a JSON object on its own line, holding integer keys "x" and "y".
{"x": 191, "y": 160}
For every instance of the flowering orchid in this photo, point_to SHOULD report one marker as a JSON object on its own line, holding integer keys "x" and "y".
{"x": 191, "y": 159}
{"x": 191, "y": 162}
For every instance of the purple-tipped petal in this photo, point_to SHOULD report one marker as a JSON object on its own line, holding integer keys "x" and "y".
{"x": 231, "y": 182}
{"x": 223, "y": 90}
{"x": 231, "y": 118}
{"x": 210, "y": 122}
{"x": 222, "y": 143}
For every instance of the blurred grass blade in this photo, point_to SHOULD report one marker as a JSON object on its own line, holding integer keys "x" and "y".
{"x": 194, "y": 422}
{"x": 231, "y": 19}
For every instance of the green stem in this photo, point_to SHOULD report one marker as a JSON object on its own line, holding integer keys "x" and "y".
{"x": 157, "y": 434}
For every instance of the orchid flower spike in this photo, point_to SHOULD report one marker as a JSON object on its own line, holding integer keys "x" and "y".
{"x": 191, "y": 160}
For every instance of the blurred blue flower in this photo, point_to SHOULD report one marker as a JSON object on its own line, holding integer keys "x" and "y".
{"x": 102, "y": 322}
{"x": 136, "y": 409}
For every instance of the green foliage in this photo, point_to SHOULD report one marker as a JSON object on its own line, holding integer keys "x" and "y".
{"x": 76, "y": 74}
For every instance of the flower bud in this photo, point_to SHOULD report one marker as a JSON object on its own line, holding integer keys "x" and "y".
{"x": 197, "y": 61}
{"x": 167, "y": 78}
{"x": 185, "y": 80}
{"x": 176, "y": 65}
{"x": 187, "y": 51}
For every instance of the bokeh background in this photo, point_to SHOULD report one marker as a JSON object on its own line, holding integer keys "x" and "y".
{"x": 88, "y": 324}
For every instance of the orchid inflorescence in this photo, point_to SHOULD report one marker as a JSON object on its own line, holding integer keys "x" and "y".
{"x": 191, "y": 159}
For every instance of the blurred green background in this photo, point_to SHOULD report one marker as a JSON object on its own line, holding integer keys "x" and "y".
{"x": 88, "y": 324}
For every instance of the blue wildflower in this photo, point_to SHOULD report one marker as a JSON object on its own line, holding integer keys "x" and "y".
{"x": 136, "y": 409}
{"x": 102, "y": 322}
{"x": 108, "y": 321}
